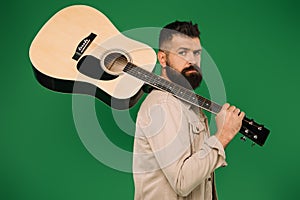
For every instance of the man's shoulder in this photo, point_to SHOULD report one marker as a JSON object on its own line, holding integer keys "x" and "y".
{"x": 160, "y": 97}
{"x": 159, "y": 104}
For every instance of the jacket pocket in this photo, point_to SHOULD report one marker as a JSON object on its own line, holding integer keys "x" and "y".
{"x": 196, "y": 127}
{"x": 196, "y": 132}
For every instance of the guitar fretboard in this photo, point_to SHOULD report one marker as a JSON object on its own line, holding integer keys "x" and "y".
{"x": 173, "y": 88}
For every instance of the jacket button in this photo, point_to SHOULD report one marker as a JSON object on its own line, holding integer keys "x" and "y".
{"x": 209, "y": 179}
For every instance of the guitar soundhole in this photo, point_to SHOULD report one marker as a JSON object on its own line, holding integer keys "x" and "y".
{"x": 114, "y": 62}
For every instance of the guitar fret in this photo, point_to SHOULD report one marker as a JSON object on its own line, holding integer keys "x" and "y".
{"x": 201, "y": 100}
{"x": 216, "y": 108}
{"x": 193, "y": 98}
{"x": 207, "y": 104}
{"x": 174, "y": 88}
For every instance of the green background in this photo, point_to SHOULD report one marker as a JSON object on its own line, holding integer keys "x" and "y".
{"x": 255, "y": 45}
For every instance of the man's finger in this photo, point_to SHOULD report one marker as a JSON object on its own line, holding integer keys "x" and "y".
{"x": 242, "y": 115}
{"x": 237, "y": 111}
{"x": 225, "y": 106}
{"x": 231, "y": 108}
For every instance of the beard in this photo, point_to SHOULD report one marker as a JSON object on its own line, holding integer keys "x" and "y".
{"x": 189, "y": 78}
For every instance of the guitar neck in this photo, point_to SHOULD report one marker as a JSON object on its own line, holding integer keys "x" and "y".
{"x": 173, "y": 88}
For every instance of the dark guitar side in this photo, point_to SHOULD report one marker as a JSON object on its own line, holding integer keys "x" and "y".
{"x": 67, "y": 86}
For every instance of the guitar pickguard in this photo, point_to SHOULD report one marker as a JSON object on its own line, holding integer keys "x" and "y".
{"x": 91, "y": 67}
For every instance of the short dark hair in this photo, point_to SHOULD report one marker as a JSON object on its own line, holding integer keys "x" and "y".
{"x": 186, "y": 28}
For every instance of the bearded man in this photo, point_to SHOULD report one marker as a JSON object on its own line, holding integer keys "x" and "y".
{"x": 174, "y": 154}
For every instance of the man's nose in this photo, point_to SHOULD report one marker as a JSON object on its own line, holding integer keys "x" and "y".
{"x": 191, "y": 59}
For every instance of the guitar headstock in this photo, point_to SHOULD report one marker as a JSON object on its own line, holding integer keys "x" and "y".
{"x": 254, "y": 131}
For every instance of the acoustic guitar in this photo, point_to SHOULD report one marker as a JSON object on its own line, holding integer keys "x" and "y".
{"x": 80, "y": 51}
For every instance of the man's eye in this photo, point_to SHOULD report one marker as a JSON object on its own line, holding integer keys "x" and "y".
{"x": 183, "y": 53}
{"x": 197, "y": 53}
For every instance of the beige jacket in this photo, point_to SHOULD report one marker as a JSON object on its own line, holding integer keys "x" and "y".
{"x": 174, "y": 155}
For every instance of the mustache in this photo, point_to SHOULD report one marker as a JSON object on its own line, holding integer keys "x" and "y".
{"x": 192, "y": 68}
{"x": 187, "y": 80}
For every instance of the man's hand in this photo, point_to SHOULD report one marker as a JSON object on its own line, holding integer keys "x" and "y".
{"x": 229, "y": 122}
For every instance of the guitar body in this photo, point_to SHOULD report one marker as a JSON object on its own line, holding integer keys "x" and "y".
{"x": 80, "y": 51}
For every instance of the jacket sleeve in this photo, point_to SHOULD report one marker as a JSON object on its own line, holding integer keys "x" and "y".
{"x": 168, "y": 134}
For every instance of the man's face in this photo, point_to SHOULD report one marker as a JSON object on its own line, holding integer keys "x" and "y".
{"x": 183, "y": 54}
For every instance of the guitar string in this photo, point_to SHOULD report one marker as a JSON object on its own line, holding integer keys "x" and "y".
{"x": 161, "y": 83}
{"x": 155, "y": 79}
{"x": 198, "y": 101}
{"x": 123, "y": 58}
{"x": 187, "y": 95}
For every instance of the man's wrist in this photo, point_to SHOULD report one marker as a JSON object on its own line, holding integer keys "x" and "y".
{"x": 223, "y": 140}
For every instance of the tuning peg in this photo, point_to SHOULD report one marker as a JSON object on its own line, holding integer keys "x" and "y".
{"x": 251, "y": 121}
{"x": 243, "y": 138}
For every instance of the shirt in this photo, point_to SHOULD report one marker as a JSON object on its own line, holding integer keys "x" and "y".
{"x": 174, "y": 154}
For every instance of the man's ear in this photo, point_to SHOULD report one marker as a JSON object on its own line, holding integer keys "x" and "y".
{"x": 162, "y": 58}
